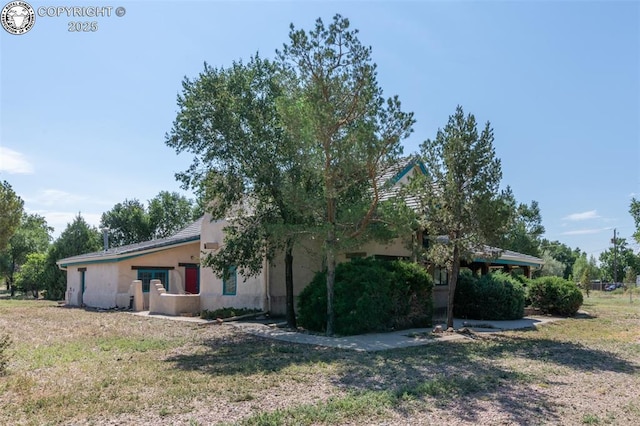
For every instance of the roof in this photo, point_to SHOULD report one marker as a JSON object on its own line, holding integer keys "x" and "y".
{"x": 507, "y": 257}
{"x": 188, "y": 234}
{"x": 388, "y": 182}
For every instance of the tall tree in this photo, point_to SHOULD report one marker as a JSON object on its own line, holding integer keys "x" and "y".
{"x": 169, "y": 212}
{"x": 10, "y": 213}
{"x": 617, "y": 260}
{"x": 128, "y": 223}
{"x": 336, "y": 108}
{"x": 585, "y": 270}
{"x": 33, "y": 235}
{"x": 32, "y": 275}
{"x": 634, "y": 210}
{"x": 525, "y": 228}
{"x": 246, "y": 168}
{"x": 562, "y": 253}
{"x": 460, "y": 194}
{"x": 131, "y": 222}
{"x": 77, "y": 238}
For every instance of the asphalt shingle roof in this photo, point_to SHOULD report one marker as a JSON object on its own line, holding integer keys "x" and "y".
{"x": 189, "y": 233}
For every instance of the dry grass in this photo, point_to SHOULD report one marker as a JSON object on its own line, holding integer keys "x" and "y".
{"x": 70, "y": 366}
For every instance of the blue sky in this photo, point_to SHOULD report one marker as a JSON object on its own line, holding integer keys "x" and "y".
{"x": 83, "y": 115}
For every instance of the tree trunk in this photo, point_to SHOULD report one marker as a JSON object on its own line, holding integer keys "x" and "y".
{"x": 288, "y": 268}
{"x": 331, "y": 278}
{"x": 453, "y": 281}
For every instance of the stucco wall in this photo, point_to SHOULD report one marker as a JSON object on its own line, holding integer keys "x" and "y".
{"x": 250, "y": 291}
{"x": 107, "y": 283}
{"x": 307, "y": 260}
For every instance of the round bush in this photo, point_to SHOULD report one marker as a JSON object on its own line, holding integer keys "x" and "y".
{"x": 554, "y": 295}
{"x": 496, "y": 296}
{"x": 369, "y": 295}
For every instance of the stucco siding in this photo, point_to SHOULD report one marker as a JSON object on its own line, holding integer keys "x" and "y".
{"x": 250, "y": 291}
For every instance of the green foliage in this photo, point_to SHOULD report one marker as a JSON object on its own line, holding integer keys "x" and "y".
{"x": 32, "y": 275}
{"x": 495, "y": 296}
{"x": 10, "y": 212}
{"x": 460, "y": 194}
{"x": 131, "y": 222}
{"x": 562, "y": 253}
{"x": 554, "y": 295}
{"x": 634, "y": 210}
{"x": 227, "y": 313}
{"x": 618, "y": 259}
{"x": 5, "y": 343}
{"x": 370, "y": 295}
{"x": 525, "y": 226}
{"x": 335, "y": 106}
{"x": 552, "y": 267}
{"x": 31, "y": 236}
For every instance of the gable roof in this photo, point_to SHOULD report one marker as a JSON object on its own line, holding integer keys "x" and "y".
{"x": 186, "y": 235}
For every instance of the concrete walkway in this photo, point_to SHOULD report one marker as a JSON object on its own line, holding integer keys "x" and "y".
{"x": 393, "y": 340}
{"x": 373, "y": 341}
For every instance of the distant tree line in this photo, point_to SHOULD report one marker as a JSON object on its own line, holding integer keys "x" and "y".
{"x": 28, "y": 254}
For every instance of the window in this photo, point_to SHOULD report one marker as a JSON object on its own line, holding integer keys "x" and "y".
{"x": 146, "y": 275}
{"x": 440, "y": 276}
{"x": 230, "y": 283}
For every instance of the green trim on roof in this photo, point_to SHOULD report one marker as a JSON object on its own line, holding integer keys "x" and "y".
{"x": 116, "y": 258}
{"x": 507, "y": 262}
{"x": 406, "y": 170}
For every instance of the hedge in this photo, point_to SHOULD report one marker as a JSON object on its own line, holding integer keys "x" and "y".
{"x": 495, "y": 296}
{"x": 555, "y": 295}
{"x": 369, "y": 295}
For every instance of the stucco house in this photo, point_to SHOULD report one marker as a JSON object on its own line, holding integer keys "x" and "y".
{"x": 121, "y": 277}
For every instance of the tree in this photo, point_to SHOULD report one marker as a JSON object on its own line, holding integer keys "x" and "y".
{"x": 336, "y": 108}
{"x": 634, "y": 210}
{"x": 10, "y": 213}
{"x": 525, "y": 227}
{"x": 460, "y": 194}
{"x": 584, "y": 271}
{"x": 562, "y": 253}
{"x": 32, "y": 275}
{"x": 246, "y": 168}
{"x": 131, "y": 222}
{"x": 77, "y": 238}
{"x": 617, "y": 259}
{"x": 32, "y": 236}
{"x": 552, "y": 267}
{"x": 169, "y": 212}
{"x": 128, "y": 223}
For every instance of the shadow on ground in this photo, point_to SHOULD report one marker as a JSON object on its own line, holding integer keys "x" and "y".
{"x": 463, "y": 374}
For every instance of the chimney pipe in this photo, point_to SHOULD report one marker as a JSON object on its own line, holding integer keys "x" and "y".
{"x": 105, "y": 238}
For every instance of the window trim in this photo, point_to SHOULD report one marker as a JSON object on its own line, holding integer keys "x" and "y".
{"x": 233, "y": 273}
{"x": 153, "y": 271}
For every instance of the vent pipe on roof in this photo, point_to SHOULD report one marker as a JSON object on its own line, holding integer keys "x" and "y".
{"x": 105, "y": 238}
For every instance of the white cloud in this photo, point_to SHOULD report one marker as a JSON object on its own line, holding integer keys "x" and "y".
{"x": 591, "y": 214}
{"x": 585, "y": 231}
{"x": 14, "y": 162}
{"x": 49, "y": 197}
{"x": 59, "y": 220}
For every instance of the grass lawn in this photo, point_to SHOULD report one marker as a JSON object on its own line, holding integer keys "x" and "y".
{"x": 70, "y": 366}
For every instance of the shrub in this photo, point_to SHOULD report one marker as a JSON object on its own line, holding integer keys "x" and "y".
{"x": 369, "y": 295}
{"x": 227, "y": 313}
{"x": 495, "y": 296}
{"x": 554, "y": 295}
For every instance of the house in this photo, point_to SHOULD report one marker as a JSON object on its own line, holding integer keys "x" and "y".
{"x": 122, "y": 277}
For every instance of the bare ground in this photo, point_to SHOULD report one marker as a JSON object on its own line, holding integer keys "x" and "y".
{"x": 70, "y": 366}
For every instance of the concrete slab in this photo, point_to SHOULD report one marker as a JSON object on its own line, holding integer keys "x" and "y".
{"x": 393, "y": 340}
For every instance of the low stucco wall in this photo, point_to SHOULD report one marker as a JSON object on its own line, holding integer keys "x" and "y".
{"x": 161, "y": 302}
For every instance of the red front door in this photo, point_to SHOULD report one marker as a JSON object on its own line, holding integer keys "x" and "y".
{"x": 191, "y": 282}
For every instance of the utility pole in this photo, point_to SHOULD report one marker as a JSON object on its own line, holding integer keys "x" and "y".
{"x": 615, "y": 257}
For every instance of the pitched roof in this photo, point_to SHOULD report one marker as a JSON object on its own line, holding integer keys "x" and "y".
{"x": 187, "y": 234}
